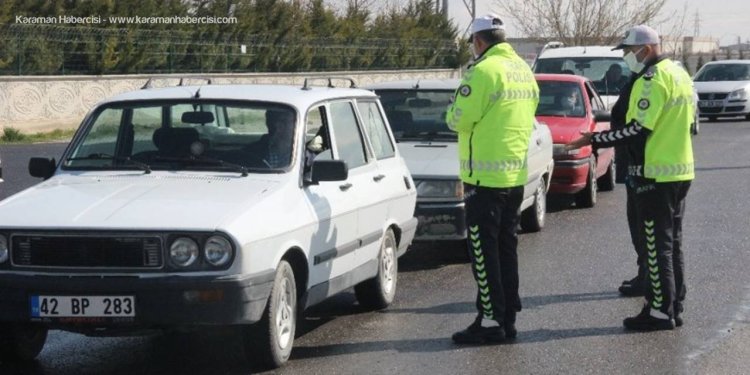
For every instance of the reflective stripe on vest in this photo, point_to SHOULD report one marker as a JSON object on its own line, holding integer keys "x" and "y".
{"x": 493, "y": 166}
{"x": 654, "y": 171}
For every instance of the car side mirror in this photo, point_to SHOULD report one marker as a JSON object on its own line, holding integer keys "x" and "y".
{"x": 602, "y": 116}
{"x": 42, "y": 167}
{"x": 328, "y": 170}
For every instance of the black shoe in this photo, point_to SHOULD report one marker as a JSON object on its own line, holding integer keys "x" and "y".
{"x": 645, "y": 322}
{"x": 632, "y": 290}
{"x": 476, "y": 334}
{"x": 635, "y": 280}
{"x": 678, "y": 321}
{"x": 510, "y": 331}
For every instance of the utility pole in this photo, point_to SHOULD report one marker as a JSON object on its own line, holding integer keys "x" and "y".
{"x": 471, "y": 6}
{"x": 697, "y": 25}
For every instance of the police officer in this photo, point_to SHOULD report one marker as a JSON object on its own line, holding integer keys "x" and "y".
{"x": 659, "y": 118}
{"x": 493, "y": 113}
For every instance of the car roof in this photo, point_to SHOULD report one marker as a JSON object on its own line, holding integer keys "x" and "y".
{"x": 417, "y": 84}
{"x": 581, "y": 51}
{"x": 285, "y": 94}
{"x": 560, "y": 77}
{"x": 744, "y": 62}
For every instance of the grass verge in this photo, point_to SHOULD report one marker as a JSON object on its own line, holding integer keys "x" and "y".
{"x": 14, "y": 136}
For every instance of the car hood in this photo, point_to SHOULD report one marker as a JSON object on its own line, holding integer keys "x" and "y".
{"x": 430, "y": 159}
{"x": 719, "y": 86}
{"x": 163, "y": 201}
{"x": 564, "y": 129}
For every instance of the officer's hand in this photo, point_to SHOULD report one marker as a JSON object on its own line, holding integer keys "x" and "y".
{"x": 584, "y": 140}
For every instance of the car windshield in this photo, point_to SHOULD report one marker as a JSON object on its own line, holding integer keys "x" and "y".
{"x": 608, "y": 74}
{"x": 418, "y": 115}
{"x": 723, "y": 72}
{"x": 563, "y": 99}
{"x": 186, "y": 135}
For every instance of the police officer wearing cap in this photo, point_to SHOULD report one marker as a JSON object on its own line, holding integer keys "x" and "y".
{"x": 493, "y": 114}
{"x": 657, "y": 135}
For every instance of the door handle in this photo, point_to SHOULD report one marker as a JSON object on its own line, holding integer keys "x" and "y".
{"x": 345, "y": 187}
{"x": 378, "y": 177}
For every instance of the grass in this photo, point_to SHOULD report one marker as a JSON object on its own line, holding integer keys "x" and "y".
{"x": 14, "y": 136}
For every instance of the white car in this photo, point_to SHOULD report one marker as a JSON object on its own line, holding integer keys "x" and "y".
{"x": 723, "y": 89}
{"x": 416, "y": 113}
{"x": 204, "y": 206}
{"x": 592, "y": 62}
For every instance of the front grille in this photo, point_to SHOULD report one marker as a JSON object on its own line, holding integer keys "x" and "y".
{"x": 713, "y": 96}
{"x": 710, "y": 109}
{"x": 86, "y": 251}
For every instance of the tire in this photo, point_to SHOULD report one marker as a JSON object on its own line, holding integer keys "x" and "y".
{"x": 532, "y": 219}
{"x": 586, "y": 198}
{"x": 377, "y": 293}
{"x": 21, "y": 343}
{"x": 607, "y": 181}
{"x": 268, "y": 343}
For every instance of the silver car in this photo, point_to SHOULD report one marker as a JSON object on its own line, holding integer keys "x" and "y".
{"x": 416, "y": 113}
{"x": 724, "y": 89}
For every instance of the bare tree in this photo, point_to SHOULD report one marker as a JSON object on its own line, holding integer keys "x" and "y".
{"x": 580, "y": 22}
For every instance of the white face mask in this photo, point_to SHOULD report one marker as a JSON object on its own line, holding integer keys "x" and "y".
{"x": 632, "y": 61}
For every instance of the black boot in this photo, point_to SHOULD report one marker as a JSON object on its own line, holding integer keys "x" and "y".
{"x": 476, "y": 334}
{"x": 645, "y": 322}
{"x": 510, "y": 325}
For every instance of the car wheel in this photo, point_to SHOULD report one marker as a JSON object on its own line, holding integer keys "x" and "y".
{"x": 20, "y": 343}
{"x": 532, "y": 219}
{"x": 378, "y": 293}
{"x": 607, "y": 181}
{"x": 586, "y": 198}
{"x": 269, "y": 341}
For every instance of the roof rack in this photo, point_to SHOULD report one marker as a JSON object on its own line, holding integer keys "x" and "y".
{"x": 149, "y": 83}
{"x": 306, "y": 85}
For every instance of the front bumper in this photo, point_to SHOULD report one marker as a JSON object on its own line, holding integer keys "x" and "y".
{"x": 160, "y": 302}
{"x": 727, "y": 108}
{"x": 569, "y": 176}
{"x": 441, "y": 221}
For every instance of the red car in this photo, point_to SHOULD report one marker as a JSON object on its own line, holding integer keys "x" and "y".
{"x": 569, "y": 105}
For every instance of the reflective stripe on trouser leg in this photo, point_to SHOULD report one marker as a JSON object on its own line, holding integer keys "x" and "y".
{"x": 480, "y": 272}
{"x": 657, "y": 300}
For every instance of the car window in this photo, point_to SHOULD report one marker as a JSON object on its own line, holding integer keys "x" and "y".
{"x": 724, "y": 72}
{"x": 376, "y": 129}
{"x": 317, "y": 141}
{"x": 198, "y": 135}
{"x": 347, "y": 135}
{"x": 418, "y": 115}
{"x": 609, "y": 74}
{"x": 557, "y": 98}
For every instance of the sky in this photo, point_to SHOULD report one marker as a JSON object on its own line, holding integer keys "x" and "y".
{"x": 720, "y": 19}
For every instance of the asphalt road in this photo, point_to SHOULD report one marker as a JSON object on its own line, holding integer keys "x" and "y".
{"x": 572, "y": 317}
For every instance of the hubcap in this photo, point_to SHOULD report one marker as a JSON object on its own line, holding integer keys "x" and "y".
{"x": 387, "y": 268}
{"x": 285, "y": 314}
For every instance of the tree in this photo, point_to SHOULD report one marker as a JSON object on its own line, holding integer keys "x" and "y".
{"x": 579, "y": 22}
{"x": 699, "y": 64}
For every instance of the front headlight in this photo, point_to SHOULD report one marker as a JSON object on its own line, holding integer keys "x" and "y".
{"x": 183, "y": 252}
{"x": 440, "y": 189}
{"x": 559, "y": 150}
{"x": 218, "y": 251}
{"x": 740, "y": 94}
{"x": 3, "y": 249}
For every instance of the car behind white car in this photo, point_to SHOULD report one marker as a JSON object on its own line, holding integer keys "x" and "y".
{"x": 724, "y": 89}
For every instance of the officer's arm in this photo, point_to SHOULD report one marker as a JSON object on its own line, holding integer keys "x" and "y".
{"x": 632, "y": 132}
{"x": 468, "y": 107}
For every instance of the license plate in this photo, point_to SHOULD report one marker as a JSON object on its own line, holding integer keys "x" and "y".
{"x": 710, "y": 103}
{"x": 82, "y": 306}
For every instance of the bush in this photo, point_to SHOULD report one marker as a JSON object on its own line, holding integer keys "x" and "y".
{"x": 12, "y": 135}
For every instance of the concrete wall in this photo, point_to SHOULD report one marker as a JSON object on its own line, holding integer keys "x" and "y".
{"x": 41, "y": 103}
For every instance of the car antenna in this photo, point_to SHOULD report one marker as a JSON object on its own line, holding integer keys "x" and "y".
{"x": 416, "y": 85}
{"x": 197, "y": 93}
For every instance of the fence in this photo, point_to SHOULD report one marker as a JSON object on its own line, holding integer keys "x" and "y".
{"x": 62, "y": 50}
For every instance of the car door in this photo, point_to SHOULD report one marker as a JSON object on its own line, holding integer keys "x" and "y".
{"x": 535, "y": 159}
{"x": 386, "y": 185}
{"x": 334, "y": 203}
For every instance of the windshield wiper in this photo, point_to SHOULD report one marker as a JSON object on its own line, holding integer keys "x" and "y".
{"x": 102, "y": 156}
{"x": 235, "y": 167}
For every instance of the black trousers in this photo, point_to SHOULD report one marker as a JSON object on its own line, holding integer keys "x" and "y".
{"x": 492, "y": 217}
{"x": 661, "y": 208}
{"x": 634, "y": 224}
